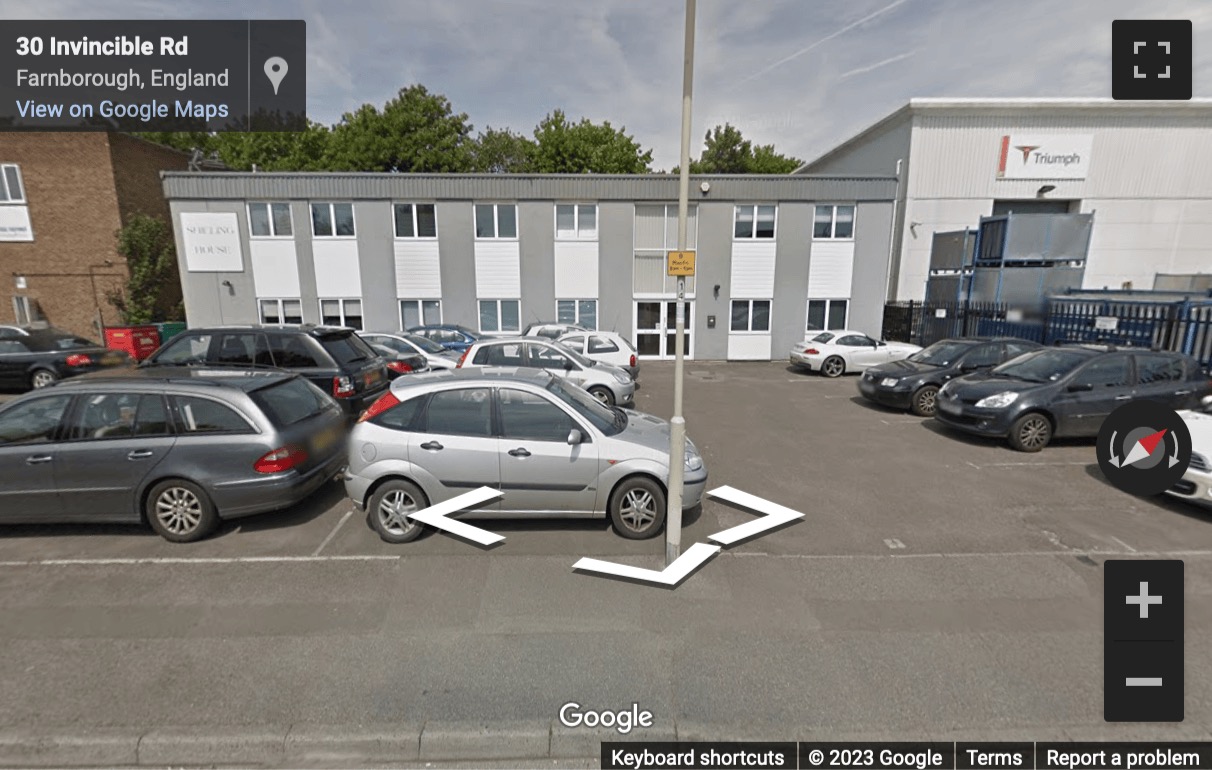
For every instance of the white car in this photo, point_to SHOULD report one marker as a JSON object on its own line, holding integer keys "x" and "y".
{"x": 551, "y": 329}
{"x": 1196, "y": 483}
{"x": 606, "y": 347}
{"x": 608, "y": 384}
{"x": 407, "y": 343}
{"x": 837, "y": 352}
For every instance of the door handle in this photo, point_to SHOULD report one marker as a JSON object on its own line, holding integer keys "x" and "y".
{"x": 519, "y": 452}
{"x": 1182, "y": 392}
{"x": 38, "y": 459}
{"x": 431, "y": 445}
{"x": 1122, "y": 398}
{"x": 139, "y": 454}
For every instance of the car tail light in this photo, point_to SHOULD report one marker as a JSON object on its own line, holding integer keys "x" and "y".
{"x": 79, "y": 359}
{"x": 342, "y": 387}
{"x": 632, "y": 364}
{"x": 399, "y": 367}
{"x": 812, "y": 352}
{"x": 381, "y": 405}
{"x": 462, "y": 358}
{"x": 281, "y": 459}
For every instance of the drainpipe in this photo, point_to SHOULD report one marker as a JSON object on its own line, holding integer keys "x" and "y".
{"x": 892, "y": 233}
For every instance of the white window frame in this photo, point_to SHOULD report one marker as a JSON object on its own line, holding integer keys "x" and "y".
{"x": 496, "y": 221}
{"x": 753, "y": 208}
{"x": 833, "y": 221}
{"x": 420, "y": 303}
{"x": 415, "y": 229}
{"x": 576, "y": 222}
{"x": 828, "y": 302}
{"x": 8, "y": 196}
{"x": 353, "y": 213}
{"x": 269, "y": 212}
{"x": 281, "y": 309}
{"x": 647, "y": 296}
{"x": 344, "y": 313}
{"x": 749, "y": 318}
{"x": 498, "y": 302}
{"x": 577, "y": 311}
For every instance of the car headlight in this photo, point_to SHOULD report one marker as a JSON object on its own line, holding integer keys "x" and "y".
{"x": 622, "y": 377}
{"x": 889, "y": 382}
{"x": 694, "y": 460}
{"x": 998, "y": 400}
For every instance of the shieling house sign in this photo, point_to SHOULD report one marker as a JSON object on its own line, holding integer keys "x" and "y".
{"x": 212, "y": 242}
{"x": 1044, "y": 156}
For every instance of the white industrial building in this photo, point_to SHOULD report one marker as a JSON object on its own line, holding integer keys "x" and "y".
{"x": 1144, "y": 169}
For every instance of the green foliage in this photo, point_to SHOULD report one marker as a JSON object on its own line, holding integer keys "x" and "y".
{"x": 500, "y": 151}
{"x": 725, "y": 151}
{"x": 152, "y": 291}
{"x": 274, "y": 151}
{"x": 187, "y": 141}
{"x": 586, "y": 148}
{"x": 415, "y": 132}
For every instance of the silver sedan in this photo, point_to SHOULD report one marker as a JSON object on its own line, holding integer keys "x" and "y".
{"x": 549, "y": 446}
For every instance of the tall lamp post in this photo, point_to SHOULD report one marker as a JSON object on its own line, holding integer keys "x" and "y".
{"x": 677, "y": 425}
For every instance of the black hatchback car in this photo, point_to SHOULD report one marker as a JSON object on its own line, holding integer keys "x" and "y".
{"x": 32, "y": 357}
{"x": 334, "y": 358}
{"x": 1067, "y": 391}
{"x": 913, "y": 383}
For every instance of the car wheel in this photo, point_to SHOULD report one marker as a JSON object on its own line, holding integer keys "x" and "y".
{"x": 180, "y": 511}
{"x": 834, "y": 366}
{"x": 1031, "y": 432}
{"x": 925, "y": 401}
{"x": 389, "y": 508}
{"x": 602, "y": 394}
{"x": 42, "y": 378}
{"x": 637, "y": 508}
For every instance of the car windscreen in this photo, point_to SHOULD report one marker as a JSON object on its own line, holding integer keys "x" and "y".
{"x": 425, "y": 344}
{"x": 943, "y": 353}
{"x": 605, "y": 419}
{"x": 291, "y": 401}
{"x": 1044, "y": 366}
{"x": 347, "y": 349}
{"x": 47, "y": 341}
{"x": 575, "y": 356}
{"x": 825, "y": 337}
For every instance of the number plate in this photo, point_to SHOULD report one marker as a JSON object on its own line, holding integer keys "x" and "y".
{"x": 325, "y": 440}
{"x": 372, "y": 377}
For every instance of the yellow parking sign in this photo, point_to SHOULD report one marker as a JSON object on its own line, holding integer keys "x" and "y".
{"x": 680, "y": 263}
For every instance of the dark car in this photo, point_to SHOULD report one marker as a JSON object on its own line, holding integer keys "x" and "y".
{"x": 913, "y": 383}
{"x": 1067, "y": 391}
{"x": 450, "y": 336}
{"x": 179, "y": 449}
{"x": 334, "y": 358}
{"x": 399, "y": 364}
{"x": 34, "y": 358}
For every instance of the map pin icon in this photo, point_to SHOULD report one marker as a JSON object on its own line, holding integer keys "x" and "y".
{"x": 275, "y": 70}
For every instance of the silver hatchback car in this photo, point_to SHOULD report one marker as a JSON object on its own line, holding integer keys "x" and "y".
{"x": 608, "y": 384}
{"x": 549, "y": 446}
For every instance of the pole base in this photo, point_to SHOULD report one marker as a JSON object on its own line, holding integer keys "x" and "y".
{"x": 672, "y": 552}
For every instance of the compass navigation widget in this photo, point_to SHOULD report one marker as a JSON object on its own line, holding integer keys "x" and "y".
{"x": 1144, "y": 448}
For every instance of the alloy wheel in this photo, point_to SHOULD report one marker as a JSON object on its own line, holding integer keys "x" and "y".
{"x": 834, "y": 367}
{"x": 638, "y": 509}
{"x": 43, "y": 378}
{"x": 393, "y": 512}
{"x": 1034, "y": 433}
{"x": 179, "y": 510}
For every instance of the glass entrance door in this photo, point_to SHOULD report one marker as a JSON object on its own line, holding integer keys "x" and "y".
{"x": 655, "y": 325}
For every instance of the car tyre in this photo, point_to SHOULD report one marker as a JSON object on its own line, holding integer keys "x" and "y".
{"x": 1031, "y": 432}
{"x": 389, "y": 508}
{"x": 180, "y": 511}
{"x": 637, "y": 508}
{"x": 834, "y": 366}
{"x": 602, "y": 394}
{"x": 42, "y": 378}
{"x": 925, "y": 401}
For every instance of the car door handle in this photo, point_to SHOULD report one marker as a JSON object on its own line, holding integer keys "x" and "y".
{"x": 431, "y": 445}
{"x": 1122, "y": 398}
{"x": 139, "y": 454}
{"x": 38, "y": 459}
{"x": 1182, "y": 392}
{"x": 519, "y": 452}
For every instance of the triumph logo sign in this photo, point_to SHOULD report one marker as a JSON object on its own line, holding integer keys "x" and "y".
{"x": 1058, "y": 156}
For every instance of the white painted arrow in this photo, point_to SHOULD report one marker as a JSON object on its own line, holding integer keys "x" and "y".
{"x": 438, "y": 516}
{"x": 774, "y": 515}
{"x": 675, "y": 573}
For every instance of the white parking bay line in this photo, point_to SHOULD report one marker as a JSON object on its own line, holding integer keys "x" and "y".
{"x": 1034, "y": 465}
{"x": 193, "y": 560}
{"x": 333, "y": 534}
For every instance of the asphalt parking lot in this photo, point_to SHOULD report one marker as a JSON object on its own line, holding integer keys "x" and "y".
{"x": 939, "y": 586}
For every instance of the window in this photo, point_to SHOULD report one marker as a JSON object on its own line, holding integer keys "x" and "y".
{"x": 747, "y": 216}
{"x": 1110, "y": 372}
{"x": 294, "y": 351}
{"x": 401, "y": 416}
{"x": 576, "y": 221}
{"x": 546, "y": 357}
{"x": 530, "y": 417}
{"x": 576, "y": 342}
{"x": 833, "y": 222}
{"x": 341, "y": 312}
{"x": 13, "y": 347}
{"x": 1016, "y": 349}
{"x": 500, "y": 315}
{"x": 507, "y": 354}
{"x": 332, "y": 220}
{"x": 120, "y": 415}
{"x": 750, "y": 315}
{"x": 420, "y": 312}
{"x": 32, "y": 422}
{"x": 602, "y": 345}
{"x": 656, "y": 232}
{"x": 582, "y": 312}
{"x": 496, "y": 220}
{"x": 11, "y": 189}
{"x": 984, "y": 355}
{"x": 269, "y": 220}
{"x": 416, "y": 220}
{"x": 186, "y": 349}
{"x": 1159, "y": 369}
{"x": 464, "y": 412}
{"x": 243, "y": 348}
{"x": 281, "y": 311}
{"x": 827, "y": 314}
{"x": 291, "y": 402}
{"x": 856, "y": 341}
{"x": 201, "y": 415}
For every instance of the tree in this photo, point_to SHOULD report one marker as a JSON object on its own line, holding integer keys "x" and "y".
{"x": 415, "y": 132}
{"x": 275, "y": 151}
{"x": 153, "y": 291}
{"x": 500, "y": 151}
{"x": 725, "y": 151}
{"x": 563, "y": 147}
{"x": 181, "y": 140}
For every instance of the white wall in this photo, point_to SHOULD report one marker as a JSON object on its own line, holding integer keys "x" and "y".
{"x": 337, "y": 271}
{"x": 275, "y": 267}
{"x": 576, "y": 269}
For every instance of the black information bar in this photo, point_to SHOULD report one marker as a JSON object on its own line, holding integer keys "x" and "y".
{"x": 918, "y": 755}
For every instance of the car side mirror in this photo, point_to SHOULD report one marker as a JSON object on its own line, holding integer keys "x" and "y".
{"x": 881, "y": 344}
{"x": 574, "y": 437}
{"x": 969, "y": 367}
{"x": 569, "y": 365}
{"x": 1081, "y": 387}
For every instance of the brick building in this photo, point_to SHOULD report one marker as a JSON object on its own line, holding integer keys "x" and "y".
{"x": 63, "y": 197}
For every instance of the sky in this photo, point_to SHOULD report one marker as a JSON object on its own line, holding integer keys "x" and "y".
{"x": 803, "y": 75}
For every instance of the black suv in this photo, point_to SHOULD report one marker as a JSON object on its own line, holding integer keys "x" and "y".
{"x": 334, "y": 358}
{"x": 914, "y": 382}
{"x": 1067, "y": 391}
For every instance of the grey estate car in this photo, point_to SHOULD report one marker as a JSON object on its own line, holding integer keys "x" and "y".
{"x": 608, "y": 384}
{"x": 178, "y": 448}
{"x": 549, "y": 446}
